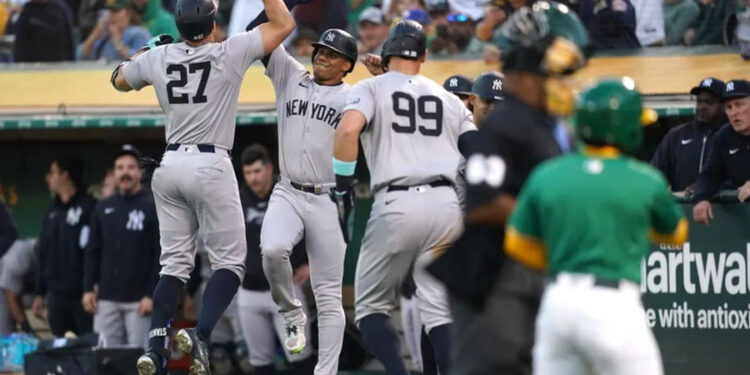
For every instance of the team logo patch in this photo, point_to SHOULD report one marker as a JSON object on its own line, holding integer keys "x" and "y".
{"x": 330, "y": 37}
{"x": 135, "y": 220}
{"x": 707, "y": 82}
{"x": 497, "y": 85}
{"x": 730, "y": 86}
{"x": 74, "y": 215}
{"x": 453, "y": 82}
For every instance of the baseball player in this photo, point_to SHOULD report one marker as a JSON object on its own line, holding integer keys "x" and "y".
{"x": 410, "y": 128}
{"x": 591, "y": 319}
{"x": 197, "y": 83}
{"x": 486, "y": 91}
{"x": 310, "y": 109}
{"x": 461, "y": 87}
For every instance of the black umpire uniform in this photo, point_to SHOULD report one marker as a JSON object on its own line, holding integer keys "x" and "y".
{"x": 65, "y": 234}
{"x": 683, "y": 153}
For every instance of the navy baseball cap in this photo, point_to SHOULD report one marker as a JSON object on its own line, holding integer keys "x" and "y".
{"x": 710, "y": 84}
{"x": 417, "y": 15}
{"x": 489, "y": 85}
{"x": 736, "y": 88}
{"x": 127, "y": 149}
{"x": 458, "y": 84}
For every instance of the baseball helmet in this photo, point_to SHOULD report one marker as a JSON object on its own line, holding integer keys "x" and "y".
{"x": 194, "y": 18}
{"x": 339, "y": 41}
{"x": 610, "y": 112}
{"x": 545, "y": 38}
{"x": 489, "y": 85}
{"x": 458, "y": 84}
{"x": 405, "y": 39}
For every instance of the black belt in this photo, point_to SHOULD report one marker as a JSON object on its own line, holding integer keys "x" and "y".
{"x": 599, "y": 281}
{"x": 201, "y": 148}
{"x": 308, "y": 188}
{"x": 437, "y": 183}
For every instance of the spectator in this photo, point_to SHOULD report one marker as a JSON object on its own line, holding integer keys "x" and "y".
{"x": 730, "y": 154}
{"x": 355, "y": 9}
{"x": 373, "y": 30}
{"x": 418, "y": 15}
{"x": 743, "y": 27}
{"x": 649, "y": 22}
{"x": 709, "y": 27}
{"x": 8, "y": 232}
{"x": 438, "y": 11}
{"x": 303, "y": 42}
{"x": 679, "y": 15}
{"x": 259, "y": 316}
{"x": 89, "y": 13}
{"x": 117, "y": 35}
{"x": 44, "y": 32}
{"x": 454, "y": 37}
{"x": 155, "y": 18}
{"x": 17, "y": 271}
{"x": 122, "y": 258}
{"x": 683, "y": 152}
{"x": 472, "y": 8}
{"x": 496, "y": 12}
{"x": 610, "y": 23}
{"x": 491, "y": 54}
{"x": 64, "y": 236}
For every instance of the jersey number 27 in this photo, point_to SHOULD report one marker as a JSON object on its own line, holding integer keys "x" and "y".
{"x": 182, "y": 79}
{"x": 428, "y": 107}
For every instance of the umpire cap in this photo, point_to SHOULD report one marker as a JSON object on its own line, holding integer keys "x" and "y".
{"x": 339, "y": 41}
{"x": 458, "y": 84}
{"x": 405, "y": 39}
{"x": 489, "y": 85}
{"x": 195, "y": 18}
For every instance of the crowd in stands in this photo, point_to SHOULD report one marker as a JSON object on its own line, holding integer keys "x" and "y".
{"x": 111, "y": 30}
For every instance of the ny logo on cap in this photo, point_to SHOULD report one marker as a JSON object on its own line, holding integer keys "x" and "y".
{"x": 730, "y": 86}
{"x": 330, "y": 37}
{"x": 707, "y": 82}
{"x": 497, "y": 85}
{"x": 453, "y": 82}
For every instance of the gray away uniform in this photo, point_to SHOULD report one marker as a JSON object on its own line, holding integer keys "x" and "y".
{"x": 308, "y": 115}
{"x": 411, "y": 139}
{"x": 197, "y": 88}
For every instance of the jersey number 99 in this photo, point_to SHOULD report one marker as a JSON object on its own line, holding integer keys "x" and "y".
{"x": 428, "y": 107}
{"x": 181, "y": 81}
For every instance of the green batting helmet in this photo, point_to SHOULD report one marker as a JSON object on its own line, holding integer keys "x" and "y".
{"x": 545, "y": 38}
{"x": 610, "y": 112}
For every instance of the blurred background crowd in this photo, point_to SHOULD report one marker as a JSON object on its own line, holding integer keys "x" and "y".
{"x": 112, "y": 30}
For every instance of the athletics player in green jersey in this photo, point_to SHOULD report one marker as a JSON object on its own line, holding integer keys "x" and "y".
{"x": 585, "y": 219}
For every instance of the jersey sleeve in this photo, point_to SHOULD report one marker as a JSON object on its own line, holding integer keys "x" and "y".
{"x": 668, "y": 224}
{"x": 137, "y": 73}
{"x": 524, "y": 238}
{"x": 282, "y": 66}
{"x": 361, "y": 98}
{"x": 244, "y": 48}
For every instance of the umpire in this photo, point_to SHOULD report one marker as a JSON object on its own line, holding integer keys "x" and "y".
{"x": 122, "y": 258}
{"x": 494, "y": 299}
{"x": 65, "y": 234}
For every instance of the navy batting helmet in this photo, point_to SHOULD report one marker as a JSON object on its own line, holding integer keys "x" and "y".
{"x": 458, "y": 84}
{"x": 489, "y": 85}
{"x": 405, "y": 39}
{"x": 195, "y": 18}
{"x": 339, "y": 41}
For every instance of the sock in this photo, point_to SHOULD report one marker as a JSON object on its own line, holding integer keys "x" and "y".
{"x": 383, "y": 341}
{"x": 262, "y": 17}
{"x": 218, "y": 295}
{"x": 264, "y": 370}
{"x": 428, "y": 355}
{"x": 166, "y": 295}
{"x": 440, "y": 337}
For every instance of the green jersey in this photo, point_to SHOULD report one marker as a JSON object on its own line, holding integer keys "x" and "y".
{"x": 591, "y": 213}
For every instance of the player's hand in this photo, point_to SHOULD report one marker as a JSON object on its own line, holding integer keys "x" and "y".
{"x": 89, "y": 302}
{"x": 145, "y": 307}
{"x": 372, "y": 63}
{"x": 744, "y": 192}
{"x": 702, "y": 212}
{"x": 156, "y": 41}
{"x": 301, "y": 274}
{"x": 345, "y": 205}
{"x": 37, "y": 307}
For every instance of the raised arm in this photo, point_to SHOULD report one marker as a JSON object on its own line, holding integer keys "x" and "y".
{"x": 280, "y": 24}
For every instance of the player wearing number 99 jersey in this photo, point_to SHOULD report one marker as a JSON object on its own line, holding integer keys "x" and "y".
{"x": 197, "y": 83}
{"x": 409, "y": 127}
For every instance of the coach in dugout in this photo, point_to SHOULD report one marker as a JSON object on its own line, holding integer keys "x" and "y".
{"x": 683, "y": 153}
{"x": 730, "y": 155}
{"x": 122, "y": 258}
{"x": 65, "y": 234}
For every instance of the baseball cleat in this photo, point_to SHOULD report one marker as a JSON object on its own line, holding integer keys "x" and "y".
{"x": 149, "y": 364}
{"x": 294, "y": 339}
{"x": 189, "y": 343}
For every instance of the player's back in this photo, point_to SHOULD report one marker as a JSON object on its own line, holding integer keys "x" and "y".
{"x": 198, "y": 86}
{"x": 595, "y": 213}
{"x": 413, "y": 127}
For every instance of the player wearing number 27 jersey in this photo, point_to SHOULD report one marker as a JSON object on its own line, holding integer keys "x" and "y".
{"x": 409, "y": 127}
